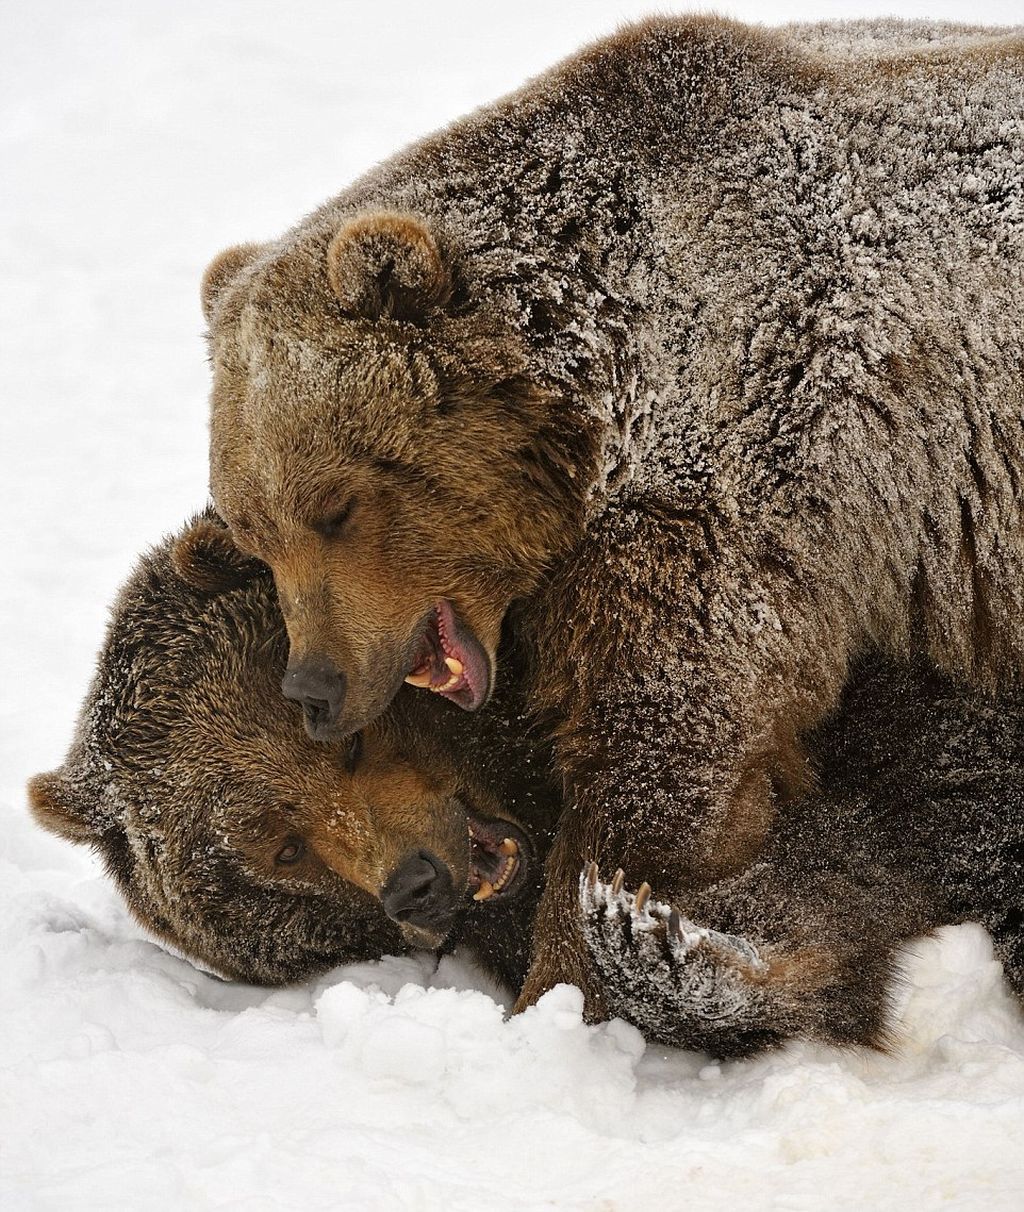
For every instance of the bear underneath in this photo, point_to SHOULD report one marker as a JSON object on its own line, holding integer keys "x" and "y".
{"x": 257, "y": 852}
{"x": 269, "y": 858}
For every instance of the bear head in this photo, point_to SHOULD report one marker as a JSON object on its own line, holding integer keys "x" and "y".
{"x": 230, "y": 833}
{"x": 377, "y": 441}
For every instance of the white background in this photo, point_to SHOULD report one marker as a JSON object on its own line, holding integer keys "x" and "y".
{"x": 139, "y": 138}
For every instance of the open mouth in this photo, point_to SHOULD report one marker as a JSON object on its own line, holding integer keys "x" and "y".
{"x": 451, "y": 661}
{"x": 499, "y": 858}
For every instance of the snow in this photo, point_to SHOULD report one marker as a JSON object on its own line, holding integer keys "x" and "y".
{"x": 138, "y": 139}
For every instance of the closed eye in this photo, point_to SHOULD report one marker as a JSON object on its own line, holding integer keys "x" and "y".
{"x": 332, "y": 526}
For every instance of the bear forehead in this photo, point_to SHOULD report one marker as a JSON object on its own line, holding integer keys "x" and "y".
{"x": 280, "y": 318}
{"x": 357, "y": 380}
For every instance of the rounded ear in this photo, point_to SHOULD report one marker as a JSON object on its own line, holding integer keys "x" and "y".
{"x": 222, "y": 270}
{"x": 62, "y": 807}
{"x": 205, "y": 556}
{"x": 387, "y": 264}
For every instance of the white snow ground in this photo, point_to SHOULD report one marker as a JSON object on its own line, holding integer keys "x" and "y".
{"x": 138, "y": 138}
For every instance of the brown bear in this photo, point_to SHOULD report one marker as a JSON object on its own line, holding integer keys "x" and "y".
{"x": 257, "y": 851}
{"x": 695, "y": 364}
{"x": 270, "y": 858}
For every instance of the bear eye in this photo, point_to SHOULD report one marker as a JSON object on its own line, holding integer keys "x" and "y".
{"x": 334, "y": 523}
{"x": 292, "y": 850}
{"x": 354, "y": 752}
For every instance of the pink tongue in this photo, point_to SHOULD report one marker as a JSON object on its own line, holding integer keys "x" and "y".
{"x": 459, "y": 677}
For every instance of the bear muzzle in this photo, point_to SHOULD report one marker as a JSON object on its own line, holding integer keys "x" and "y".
{"x": 318, "y": 686}
{"x": 420, "y": 893}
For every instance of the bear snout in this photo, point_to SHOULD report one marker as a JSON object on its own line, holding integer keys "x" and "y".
{"x": 318, "y": 686}
{"x": 420, "y": 892}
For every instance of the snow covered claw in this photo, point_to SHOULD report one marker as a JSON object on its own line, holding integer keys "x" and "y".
{"x": 640, "y": 913}
{"x": 681, "y": 983}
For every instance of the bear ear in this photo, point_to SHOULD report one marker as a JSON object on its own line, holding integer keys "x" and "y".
{"x": 205, "y": 556}
{"x": 387, "y": 265}
{"x": 222, "y": 270}
{"x": 61, "y": 807}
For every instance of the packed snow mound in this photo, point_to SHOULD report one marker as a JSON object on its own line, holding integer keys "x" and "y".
{"x": 135, "y": 1080}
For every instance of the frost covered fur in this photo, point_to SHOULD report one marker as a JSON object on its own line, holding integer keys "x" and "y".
{"x": 697, "y": 363}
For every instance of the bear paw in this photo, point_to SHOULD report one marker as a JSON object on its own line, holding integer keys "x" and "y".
{"x": 678, "y": 982}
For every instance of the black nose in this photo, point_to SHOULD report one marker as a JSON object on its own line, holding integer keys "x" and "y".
{"x": 320, "y": 688}
{"x": 419, "y": 891}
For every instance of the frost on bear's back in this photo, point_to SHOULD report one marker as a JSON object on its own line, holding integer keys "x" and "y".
{"x": 694, "y": 225}
{"x": 888, "y": 35}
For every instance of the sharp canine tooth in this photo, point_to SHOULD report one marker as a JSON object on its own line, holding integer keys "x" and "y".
{"x": 484, "y": 891}
{"x": 454, "y": 665}
{"x": 419, "y": 679}
{"x": 508, "y": 846}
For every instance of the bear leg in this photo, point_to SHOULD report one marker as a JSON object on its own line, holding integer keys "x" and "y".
{"x": 690, "y": 986}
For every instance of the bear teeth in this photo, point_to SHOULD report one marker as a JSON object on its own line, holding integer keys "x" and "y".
{"x": 488, "y": 888}
{"x": 507, "y": 871}
{"x": 444, "y": 658}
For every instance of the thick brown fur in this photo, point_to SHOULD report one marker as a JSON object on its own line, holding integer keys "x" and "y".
{"x": 727, "y": 388}
{"x": 917, "y": 821}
